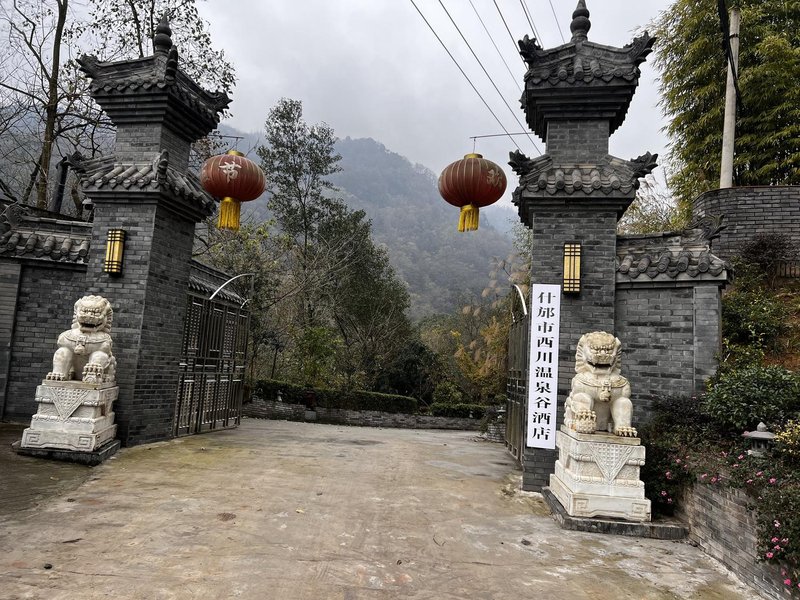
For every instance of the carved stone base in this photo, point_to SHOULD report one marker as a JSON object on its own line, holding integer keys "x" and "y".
{"x": 72, "y": 415}
{"x": 598, "y": 475}
{"x": 91, "y": 459}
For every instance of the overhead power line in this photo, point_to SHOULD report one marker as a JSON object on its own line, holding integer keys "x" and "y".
{"x": 510, "y": 35}
{"x": 564, "y": 41}
{"x": 486, "y": 104}
{"x": 494, "y": 85}
{"x": 500, "y": 54}
{"x": 530, "y": 19}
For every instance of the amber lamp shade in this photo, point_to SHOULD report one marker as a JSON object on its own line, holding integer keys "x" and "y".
{"x": 115, "y": 251}
{"x": 572, "y": 268}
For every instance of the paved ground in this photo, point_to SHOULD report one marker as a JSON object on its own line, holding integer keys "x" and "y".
{"x": 286, "y": 511}
{"x": 24, "y": 483}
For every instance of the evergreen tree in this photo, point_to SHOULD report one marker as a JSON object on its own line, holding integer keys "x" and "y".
{"x": 348, "y": 314}
{"x": 297, "y": 159}
{"x": 693, "y": 68}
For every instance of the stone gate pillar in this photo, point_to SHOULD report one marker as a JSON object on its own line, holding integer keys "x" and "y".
{"x": 575, "y": 97}
{"x": 145, "y": 189}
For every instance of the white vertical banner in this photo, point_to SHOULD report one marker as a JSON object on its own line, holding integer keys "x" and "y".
{"x": 543, "y": 366}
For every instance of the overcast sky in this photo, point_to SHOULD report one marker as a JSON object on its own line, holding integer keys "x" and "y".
{"x": 372, "y": 68}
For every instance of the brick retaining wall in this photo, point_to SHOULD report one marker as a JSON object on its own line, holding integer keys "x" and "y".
{"x": 725, "y": 528}
{"x": 263, "y": 409}
{"x": 750, "y": 211}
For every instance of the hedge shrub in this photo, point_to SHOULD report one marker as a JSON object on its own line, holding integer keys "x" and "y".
{"x": 753, "y": 317}
{"x": 462, "y": 411}
{"x": 740, "y": 398}
{"x": 788, "y": 440}
{"x": 267, "y": 389}
{"x": 362, "y": 400}
{"x": 446, "y": 392}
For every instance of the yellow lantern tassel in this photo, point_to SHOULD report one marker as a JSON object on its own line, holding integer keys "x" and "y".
{"x": 469, "y": 218}
{"x": 229, "y": 210}
{"x": 462, "y": 218}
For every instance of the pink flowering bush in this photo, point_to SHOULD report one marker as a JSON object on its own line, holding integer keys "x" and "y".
{"x": 684, "y": 447}
{"x": 675, "y": 429}
{"x": 778, "y": 506}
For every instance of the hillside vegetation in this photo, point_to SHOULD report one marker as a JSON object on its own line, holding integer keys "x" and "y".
{"x": 441, "y": 267}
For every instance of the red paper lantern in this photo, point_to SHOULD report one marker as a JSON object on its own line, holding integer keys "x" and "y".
{"x": 471, "y": 183}
{"x": 235, "y": 179}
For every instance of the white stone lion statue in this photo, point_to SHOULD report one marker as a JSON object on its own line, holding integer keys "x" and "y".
{"x": 84, "y": 352}
{"x": 600, "y": 398}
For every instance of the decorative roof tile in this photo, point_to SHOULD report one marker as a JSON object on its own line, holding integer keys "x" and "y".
{"x": 105, "y": 174}
{"x": 24, "y": 235}
{"x": 610, "y": 176}
{"x": 668, "y": 257}
{"x": 154, "y": 88}
{"x": 205, "y": 288}
{"x": 581, "y": 79}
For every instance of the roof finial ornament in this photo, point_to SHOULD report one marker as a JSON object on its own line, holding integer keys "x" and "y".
{"x": 162, "y": 41}
{"x": 581, "y": 24}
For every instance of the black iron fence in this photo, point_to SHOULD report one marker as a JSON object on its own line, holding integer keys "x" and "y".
{"x": 788, "y": 269}
{"x": 516, "y": 386}
{"x": 213, "y": 366}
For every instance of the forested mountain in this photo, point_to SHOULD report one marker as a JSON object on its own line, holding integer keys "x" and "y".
{"x": 441, "y": 266}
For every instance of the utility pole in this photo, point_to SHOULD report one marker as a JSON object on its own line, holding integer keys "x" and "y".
{"x": 729, "y": 131}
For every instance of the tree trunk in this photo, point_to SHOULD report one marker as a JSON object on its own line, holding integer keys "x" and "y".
{"x": 51, "y": 111}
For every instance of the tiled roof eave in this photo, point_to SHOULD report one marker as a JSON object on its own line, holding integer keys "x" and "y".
{"x": 587, "y": 79}
{"x": 570, "y": 190}
{"x": 106, "y": 177}
{"x": 644, "y": 279}
{"x": 206, "y": 289}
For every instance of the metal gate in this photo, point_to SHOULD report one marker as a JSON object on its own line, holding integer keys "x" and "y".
{"x": 212, "y": 367}
{"x": 517, "y": 383}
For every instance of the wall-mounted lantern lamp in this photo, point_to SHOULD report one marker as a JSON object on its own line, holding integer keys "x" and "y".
{"x": 572, "y": 268}
{"x": 115, "y": 248}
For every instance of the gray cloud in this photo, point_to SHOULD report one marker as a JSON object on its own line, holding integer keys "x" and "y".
{"x": 371, "y": 68}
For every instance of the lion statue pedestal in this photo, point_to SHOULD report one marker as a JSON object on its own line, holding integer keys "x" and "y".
{"x": 599, "y": 455}
{"x": 75, "y": 417}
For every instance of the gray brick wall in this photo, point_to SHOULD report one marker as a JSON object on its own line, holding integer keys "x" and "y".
{"x": 149, "y": 301}
{"x": 724, "y": 525}
{"x": 750, "y": 211}
{"x": 46, "y": 296}
{"x": 577, "y": 141}
{"x": 591, "y": 310}
{"x": 671, "y": 340}
{"x": 142, "y": 141}
{"x": 9, "y": 284}
{"x": 707, "y": 332}
{"x": 657, "y": 326}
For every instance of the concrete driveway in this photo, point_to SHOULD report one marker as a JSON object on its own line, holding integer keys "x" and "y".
{"x": 285, "y": 511}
